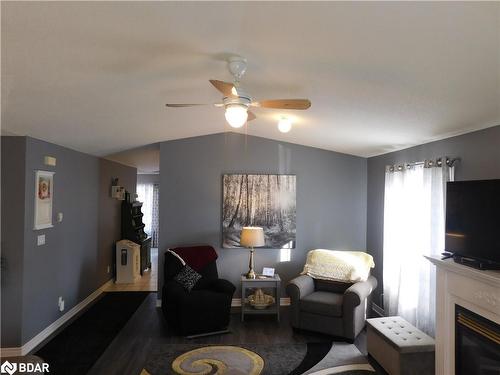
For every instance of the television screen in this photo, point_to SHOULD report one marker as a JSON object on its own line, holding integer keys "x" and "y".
{"x": 473, "y": 219}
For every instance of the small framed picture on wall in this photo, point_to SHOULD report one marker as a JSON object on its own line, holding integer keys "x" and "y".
{"x": 44, "y": 194}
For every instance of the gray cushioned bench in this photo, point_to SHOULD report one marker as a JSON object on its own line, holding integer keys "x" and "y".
{"x": 399, "y": 347}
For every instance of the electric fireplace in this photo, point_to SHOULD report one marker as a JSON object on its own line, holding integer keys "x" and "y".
{"x": 477, "y": 344}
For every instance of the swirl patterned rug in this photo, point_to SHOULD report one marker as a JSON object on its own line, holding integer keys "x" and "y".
{"x": 275, "y": 359}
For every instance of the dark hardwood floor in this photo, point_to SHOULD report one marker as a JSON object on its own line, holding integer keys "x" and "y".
{"x": 128, "y": 352}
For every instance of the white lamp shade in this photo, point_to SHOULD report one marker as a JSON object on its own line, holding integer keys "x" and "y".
{"x": 284, "y": 125}
{"x": 236, "y": 115}
{"x": 252, "y": 237}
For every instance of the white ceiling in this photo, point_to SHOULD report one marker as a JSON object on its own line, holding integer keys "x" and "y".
{"x": 381, "y": 76}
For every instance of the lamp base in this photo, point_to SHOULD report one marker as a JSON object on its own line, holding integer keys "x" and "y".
{"x": 251, "y": 273}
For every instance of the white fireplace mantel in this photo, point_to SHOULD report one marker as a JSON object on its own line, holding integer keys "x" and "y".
{"x": 476, "y": 290}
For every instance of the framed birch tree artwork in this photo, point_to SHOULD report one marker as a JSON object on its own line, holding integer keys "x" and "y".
{"x": 44, "y": 194}
{"x": 261, "y": 200}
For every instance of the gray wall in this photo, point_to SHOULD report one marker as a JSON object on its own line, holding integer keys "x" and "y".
{"x": 66, "y": 265}
{"x": 109, "y": 228}
{"x": 13, "y": 179}
{"x": 73, "y": 262}
{"x": 331, "y": 197}
{"x": 480, "y": 159}
{"x": 148, "y": 178}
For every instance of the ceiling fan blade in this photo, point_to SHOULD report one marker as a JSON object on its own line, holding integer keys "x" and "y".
{"x": 180, "y": 105}
{"x": 284, "y": 103}
{"x": 251, "y": 116}
{"x": 226, "y": 88}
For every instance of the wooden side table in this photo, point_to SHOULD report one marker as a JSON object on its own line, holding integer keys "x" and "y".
{"x": 269, "y": 282}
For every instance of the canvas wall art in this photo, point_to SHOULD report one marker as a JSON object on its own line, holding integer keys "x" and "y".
{"x": 266, "y": 201}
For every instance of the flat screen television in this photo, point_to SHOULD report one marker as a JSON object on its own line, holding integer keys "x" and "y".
{"x": 473, "y": 222}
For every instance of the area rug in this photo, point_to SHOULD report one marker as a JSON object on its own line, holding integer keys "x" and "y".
{"x": 219, "y": 359}
{"x": 343, "y": 359}
{"x": 78, "y": 346}
{"x": 273, "y": 359}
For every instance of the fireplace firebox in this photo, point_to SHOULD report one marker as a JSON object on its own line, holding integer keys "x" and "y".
{"x": 477, "y": 344}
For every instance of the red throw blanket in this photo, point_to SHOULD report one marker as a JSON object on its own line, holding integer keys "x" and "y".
{"x": 196, "y": 256}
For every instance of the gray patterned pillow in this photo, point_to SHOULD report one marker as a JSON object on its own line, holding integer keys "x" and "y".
{"x": 187, "y": 277}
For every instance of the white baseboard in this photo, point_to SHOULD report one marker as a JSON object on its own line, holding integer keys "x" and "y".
{"x": 236, "y": 302}
{"x": 39, "y": 338}
{"x": 10, "y": 352}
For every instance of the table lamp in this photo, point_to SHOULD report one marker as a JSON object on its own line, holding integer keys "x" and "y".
{"x": 252, "y": 237}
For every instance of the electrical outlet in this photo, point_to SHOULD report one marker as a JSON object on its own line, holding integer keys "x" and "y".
{"x": 60, "y": 303}
{"x": 40, "y": 240}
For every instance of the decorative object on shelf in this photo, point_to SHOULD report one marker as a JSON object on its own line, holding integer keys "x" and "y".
{"x": 44, "y": 194}
{"x": 266, "y": 201}
{"x": 252, "y": 237}
{"x": 268, "y": 271}
{"x": 133, "y": 229}
{"x": 117, "y": 192}
{"x": 259, "y": 300}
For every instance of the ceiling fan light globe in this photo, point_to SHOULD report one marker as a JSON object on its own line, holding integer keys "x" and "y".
{"x": 236, "y": 115}
{"x": 284, "y": 125}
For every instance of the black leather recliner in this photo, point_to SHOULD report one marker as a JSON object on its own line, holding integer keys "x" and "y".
{"x": 206, "y": 308}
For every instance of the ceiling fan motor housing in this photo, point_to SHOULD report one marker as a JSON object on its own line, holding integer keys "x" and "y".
{"x": 242, "y": 99}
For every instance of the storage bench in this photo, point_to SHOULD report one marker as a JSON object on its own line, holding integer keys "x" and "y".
{"x": 399, "y": 347}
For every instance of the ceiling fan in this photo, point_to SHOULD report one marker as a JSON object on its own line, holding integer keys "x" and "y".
{"x": 237, "y": 102}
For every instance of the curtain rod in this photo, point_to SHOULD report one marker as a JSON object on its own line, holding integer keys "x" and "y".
{"x": 426, "y": 163}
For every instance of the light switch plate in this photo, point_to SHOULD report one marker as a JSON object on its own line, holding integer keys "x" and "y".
{"x": 40, "y": 240}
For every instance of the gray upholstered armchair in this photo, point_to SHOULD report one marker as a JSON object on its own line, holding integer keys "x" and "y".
{"x": 331, "y": 307}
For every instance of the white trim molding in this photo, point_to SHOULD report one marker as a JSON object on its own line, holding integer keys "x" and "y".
{"x": 52, "y": 328}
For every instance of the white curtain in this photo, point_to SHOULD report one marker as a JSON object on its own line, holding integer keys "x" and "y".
{"x": 155, "y": 219}
{"x": 145, "y": 195}
{"x": 414, "y": 226}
